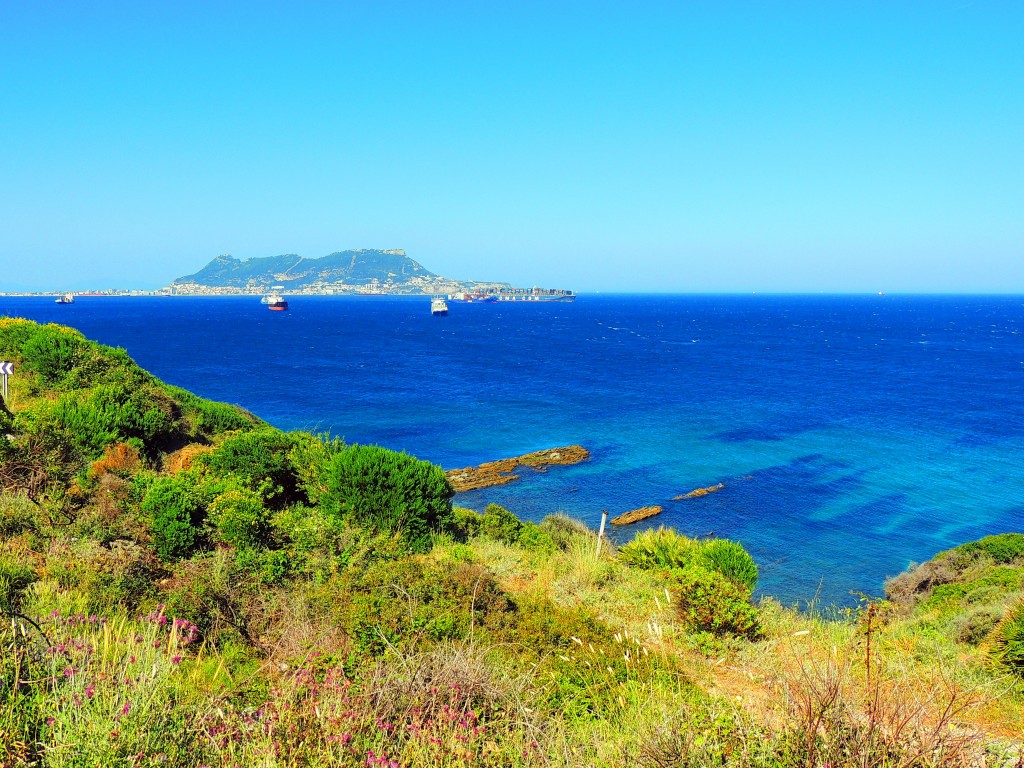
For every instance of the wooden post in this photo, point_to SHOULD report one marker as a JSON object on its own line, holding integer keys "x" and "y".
{"x": 600, "y": 533}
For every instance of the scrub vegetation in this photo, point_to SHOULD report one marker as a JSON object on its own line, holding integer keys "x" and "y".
{"x": 182, "y": 584}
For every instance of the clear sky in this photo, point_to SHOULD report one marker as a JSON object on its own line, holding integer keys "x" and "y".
{"x": 835, "y": 145}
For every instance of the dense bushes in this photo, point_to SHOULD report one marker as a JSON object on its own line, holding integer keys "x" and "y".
{"x": 53, "y": 351}
{"x": 664, "y": 548}
{"x": 731, "y": 560}
{"x": 260, "y": 458}
{"x": 1007, "y": 639}
{"x": 1003, "y": 547}
{"x": 659, "y": 548}
{"x": 96, "y": 418}
{"x": 380, "y": 490}
{"x": 498, "y": 524}
{"x": 177, "y": 507}
{"x": 714, "y": 578}
{"x": 709, "y": 602}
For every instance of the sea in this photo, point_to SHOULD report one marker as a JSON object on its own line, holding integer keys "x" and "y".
{"x": 852, "y": 434}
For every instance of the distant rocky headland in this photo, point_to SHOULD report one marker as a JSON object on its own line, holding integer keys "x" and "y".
{"x": 360, "y": 271}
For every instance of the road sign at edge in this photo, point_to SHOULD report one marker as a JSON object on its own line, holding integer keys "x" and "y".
{"x": 6, "y": 368}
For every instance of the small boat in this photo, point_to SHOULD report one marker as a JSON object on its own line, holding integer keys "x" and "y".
{"x": 67, "y": 298}
{"x": 438, "y": 306}
{"x": 275, "y": 302}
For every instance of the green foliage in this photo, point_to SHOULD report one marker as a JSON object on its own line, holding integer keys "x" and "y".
{"x": 1003, "y": 547}
{"x": 1006, "y": 643}
{"x": 15, "y": 577}
{"x": 660, "y": 548}
{"x": 500, "y": 524}
{"x": 397, "y": 602}
{"x": 565, "y": 532}
{"x": 709, "y": 602}
{"x": 17, "y": 514}
{"x": 665, "y": 548}
{"x": 206, "y": 418}
{"x": 466, "y": 522}
{"x": 14, "y": 332}
{"x": 533, "y": 538}
{"x": 261, "y": 458}
{"x": 385, "y": 491}
{"x": 177, "y": 506}
{"x": 731, "y": 560}
{"x": 110, "y": 413}
{"x": 240, "y": 519}
{"x": 53, "y": 351}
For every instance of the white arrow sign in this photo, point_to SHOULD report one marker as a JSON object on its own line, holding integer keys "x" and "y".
{"x": 6, "y": 368}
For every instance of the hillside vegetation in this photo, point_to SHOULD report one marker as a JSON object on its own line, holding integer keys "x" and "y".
{"x": 182, "y": 584}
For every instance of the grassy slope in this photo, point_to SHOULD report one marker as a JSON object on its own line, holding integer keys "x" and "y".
{"x": 321, "y": 642}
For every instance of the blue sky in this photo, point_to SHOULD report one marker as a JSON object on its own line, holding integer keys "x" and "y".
{"x": 685, "y": 146}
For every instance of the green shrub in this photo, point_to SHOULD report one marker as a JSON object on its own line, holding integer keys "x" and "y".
{"x": 17, "y": 513}
{"x": 240, "y": 519}
{"x": 1003, "y": 547}
{"x": 973, "y": 626}
{"x": 535, "y": 539}
{"x": 500, "y": 524}
{"x": 260, "y": 457}
{"x": 709, "y": 602}
{"x": 466, "y": 522}
{"x": 384, "y": 491}
{"x": 89, "y": 420}
{"x": 731, "y": 560}
{"x": 14, "y": 333}
{"x": 53, "y": 351}
{"x": 565, "y": 531}
{"x": 177, "y": 507}
{"x": 396, "y": 602}
{"x": 207, "y": 418}
{"x": 1006, "y": 644}
{"x": 660, "y": 548}
{"x": 15, "y": 577}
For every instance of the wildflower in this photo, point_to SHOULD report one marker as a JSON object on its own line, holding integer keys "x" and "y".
{"x": 175, "y": 659}
{"x": 90, "y": 691}
{"x": 50, "y": 721}
{"x": 126, "y": 708}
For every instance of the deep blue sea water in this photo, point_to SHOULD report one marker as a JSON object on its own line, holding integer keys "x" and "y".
{"x": 853, "y": 434}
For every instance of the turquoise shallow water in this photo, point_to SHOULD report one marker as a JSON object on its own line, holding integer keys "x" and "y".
{"x": 853, "y": 434}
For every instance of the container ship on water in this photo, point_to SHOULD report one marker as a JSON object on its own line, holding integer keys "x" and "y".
{"x": 515, "y": 294}
{"x": 536, "y": 294}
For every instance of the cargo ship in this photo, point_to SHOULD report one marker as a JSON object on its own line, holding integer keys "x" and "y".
{"x": 536, "y": 294}
{"x": 275, "y": 302}
{"x": 67, "y": 298}
{"x": 470, "y": 298}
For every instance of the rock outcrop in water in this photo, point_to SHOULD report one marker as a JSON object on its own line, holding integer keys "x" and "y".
{"x": 502, "y": 471}
{"x": 699, "y": 492}
{"x": 636, "y": 515}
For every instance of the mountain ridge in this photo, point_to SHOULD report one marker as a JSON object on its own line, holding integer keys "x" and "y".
{"x": 357, "y": 268}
